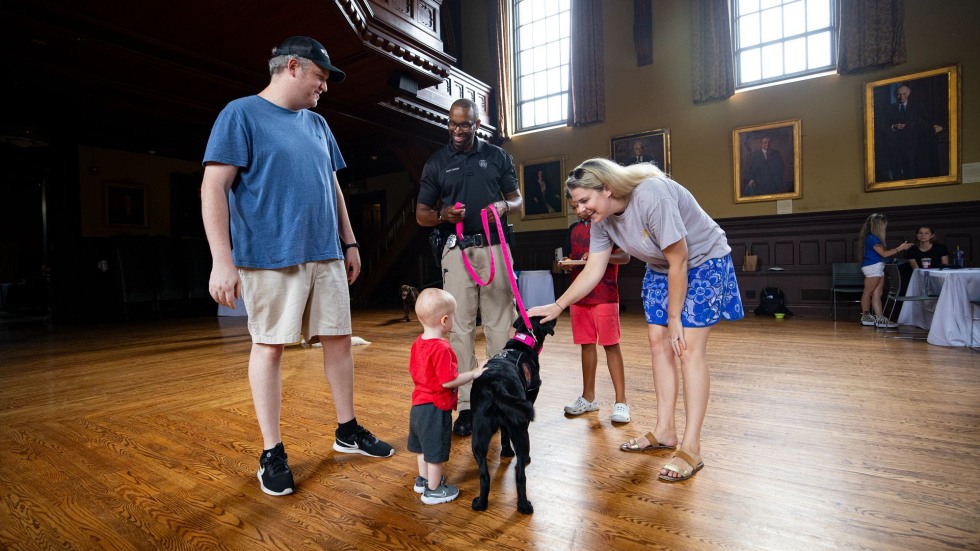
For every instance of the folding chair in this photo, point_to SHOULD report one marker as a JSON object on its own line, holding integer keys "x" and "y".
{"x": 893, "y": 278}
{"x": 847, "y": 278}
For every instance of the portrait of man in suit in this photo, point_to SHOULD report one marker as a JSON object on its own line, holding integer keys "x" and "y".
{"x": 912, "y": 130}
{"x": 638, "y": 156}
{"x": 647, "y": 147}
{"x": 767, "y": 172}
{"x": 910, "y": 136}
{"x": 767, "y": 161}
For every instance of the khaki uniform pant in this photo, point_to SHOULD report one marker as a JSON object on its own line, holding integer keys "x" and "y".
{"x": 495, "y": 303}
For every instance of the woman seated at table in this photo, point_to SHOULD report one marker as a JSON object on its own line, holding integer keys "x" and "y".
{"x": 926, "y": 247}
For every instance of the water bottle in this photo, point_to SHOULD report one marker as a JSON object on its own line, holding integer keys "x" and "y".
{"x": 958, "y": 257}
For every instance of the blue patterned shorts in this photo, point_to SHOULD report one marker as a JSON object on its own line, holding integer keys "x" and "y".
{"x": 712, "y": 294}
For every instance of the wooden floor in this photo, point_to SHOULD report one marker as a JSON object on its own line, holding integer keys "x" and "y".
{"x": 818, "y": 436}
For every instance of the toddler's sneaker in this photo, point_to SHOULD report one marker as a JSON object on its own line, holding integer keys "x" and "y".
{"x": 442, "y": 494}
{"x": 274, "y": 475}
{"x": 420, "y": 484}
{"x": 868, "y": 319}
{"x": 581, "y": 405}
{"x": 621, "y": 413}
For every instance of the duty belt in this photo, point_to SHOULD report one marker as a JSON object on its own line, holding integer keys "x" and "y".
{"x": 475, "y": 240}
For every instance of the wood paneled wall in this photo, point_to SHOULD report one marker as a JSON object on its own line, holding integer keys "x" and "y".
{"x": 803, "y": 245}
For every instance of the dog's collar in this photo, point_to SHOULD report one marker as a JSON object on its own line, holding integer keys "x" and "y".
{"x": 525, "y": 338}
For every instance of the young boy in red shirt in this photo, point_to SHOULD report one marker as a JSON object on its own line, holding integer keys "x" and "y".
{"x": 595, "y": 320}
{"x": 434, "y": 370}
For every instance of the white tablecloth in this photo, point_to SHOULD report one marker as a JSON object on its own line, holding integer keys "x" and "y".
{"x": 537, "y": 287}
{"x": 949, "y": 322}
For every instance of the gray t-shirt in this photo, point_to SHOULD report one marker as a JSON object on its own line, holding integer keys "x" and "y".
{"x": 660, "y": 213}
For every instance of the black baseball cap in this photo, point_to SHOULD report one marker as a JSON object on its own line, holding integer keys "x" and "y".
{"x": 306, "y": 47}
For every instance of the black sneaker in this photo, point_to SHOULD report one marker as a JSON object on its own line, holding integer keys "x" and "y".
{"x": 442, "y": 494}
{"x": 275, "y": 478}
{"x": 464, "y": 423}
{"x": 420, "y": 484}
{"x": 364, "y": 443}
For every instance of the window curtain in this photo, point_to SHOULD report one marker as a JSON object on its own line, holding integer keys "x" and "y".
{"x": 712, "y": 55}
{"x": 499, "y": 25}
{"x": 587, "y": 89}
{"x": 871, "y": 36}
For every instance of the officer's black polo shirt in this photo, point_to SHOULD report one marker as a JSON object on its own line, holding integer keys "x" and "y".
{"x": 476, "y": 179}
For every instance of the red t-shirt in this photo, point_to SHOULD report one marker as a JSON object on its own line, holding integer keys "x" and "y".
{"x": 433, "y": 363}
{"x": 607, "y": 291}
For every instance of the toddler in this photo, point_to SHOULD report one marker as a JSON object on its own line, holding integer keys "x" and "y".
{"x": 434, "y": 371}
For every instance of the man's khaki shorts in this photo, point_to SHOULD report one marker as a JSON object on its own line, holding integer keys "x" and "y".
{"x": 286, "y": 304}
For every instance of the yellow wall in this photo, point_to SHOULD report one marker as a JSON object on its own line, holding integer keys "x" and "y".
{"x": 98, "y": 166}
{"x": 831, "y": 109}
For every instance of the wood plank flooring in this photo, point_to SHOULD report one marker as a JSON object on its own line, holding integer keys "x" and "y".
{"x": 819, "y": 435}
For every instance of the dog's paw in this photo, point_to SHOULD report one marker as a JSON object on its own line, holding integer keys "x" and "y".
{"x": 480, "y": 504}
{"x": 524, "y": 508}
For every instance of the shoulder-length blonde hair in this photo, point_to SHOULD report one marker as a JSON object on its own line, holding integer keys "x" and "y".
{"x": 874, "y": 225}
{"x": 600, "y": 173}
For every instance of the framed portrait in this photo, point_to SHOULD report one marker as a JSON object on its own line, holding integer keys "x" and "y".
{"x": 543, "y": 189}
{"x": 912, "y": 130}
{"x": 767, "y": 162}
{"x": 125, "y": 204}
{"x": 644, "y": 147}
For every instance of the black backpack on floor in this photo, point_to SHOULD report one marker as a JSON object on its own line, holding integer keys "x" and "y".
{"x": 772, "y": 301}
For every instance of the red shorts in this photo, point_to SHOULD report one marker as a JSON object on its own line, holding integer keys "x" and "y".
{"x": 596, "y": 324}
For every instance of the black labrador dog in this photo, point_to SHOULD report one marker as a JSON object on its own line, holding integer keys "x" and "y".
{"x": 408, "y": 295}
{"x": 503, "y": 397}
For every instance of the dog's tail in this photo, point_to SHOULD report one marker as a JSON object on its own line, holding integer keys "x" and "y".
{"x": 511, "y": 406}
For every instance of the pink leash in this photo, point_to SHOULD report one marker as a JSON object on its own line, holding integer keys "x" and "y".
{"x": 510, "y": 271}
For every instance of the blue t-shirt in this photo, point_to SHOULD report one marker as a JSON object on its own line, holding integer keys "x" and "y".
{"x": 871, "y": 256}
{"x": 283, "y": 203}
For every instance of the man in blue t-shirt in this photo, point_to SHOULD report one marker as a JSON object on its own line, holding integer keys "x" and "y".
{"x": 270, "y": 173}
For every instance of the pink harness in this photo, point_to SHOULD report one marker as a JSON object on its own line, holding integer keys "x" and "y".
{"x": 526, "y": 339}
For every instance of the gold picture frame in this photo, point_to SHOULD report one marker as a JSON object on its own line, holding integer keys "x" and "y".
{"x": 767, "y": 161}
{"x": 912, "y": 130}
{"x": 654, "y": 144}
{"x": 545, "y": 200}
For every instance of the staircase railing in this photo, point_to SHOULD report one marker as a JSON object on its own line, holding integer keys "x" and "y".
{"x": 378, "y": 257}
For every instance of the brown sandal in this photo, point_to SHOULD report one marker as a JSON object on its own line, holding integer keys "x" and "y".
{"x": 634, "y": 446}
{"x": 686, "y": 471}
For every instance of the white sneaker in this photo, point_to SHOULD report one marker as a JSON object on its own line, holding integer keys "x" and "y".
{"x": 621, "y": 413}
{"x": 581, "y": 405}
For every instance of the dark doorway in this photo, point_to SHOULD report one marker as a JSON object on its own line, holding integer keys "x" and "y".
{"x": 368, "y": 215}
{"x": 23, "y": 256}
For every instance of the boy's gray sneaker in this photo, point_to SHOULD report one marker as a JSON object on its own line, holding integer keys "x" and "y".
{"x": 420, "y": 484}
{"x": 442, "y": 494}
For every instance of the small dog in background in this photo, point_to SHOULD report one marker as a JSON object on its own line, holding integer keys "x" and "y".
{"x": 503, "y": 398}
{"x": 408, "y": 295}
